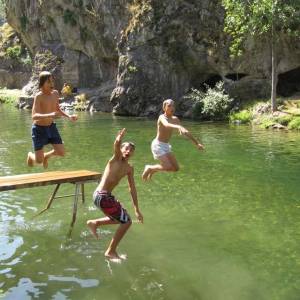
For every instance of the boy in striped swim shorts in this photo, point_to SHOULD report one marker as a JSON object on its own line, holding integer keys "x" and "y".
{"x": 116, "y": 168}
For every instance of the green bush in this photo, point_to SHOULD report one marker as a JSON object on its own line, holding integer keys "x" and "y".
{"x": 267, "y": 123}
{"x": 196, "y": 96}
{"x": 243, "y": 116}
{"x": 283, "y": 120}
{"x": 9, "y": 99}
{"x": 213, "y": 104}
{"x": 294, "y": 123}
{"x": 14, "y": 52}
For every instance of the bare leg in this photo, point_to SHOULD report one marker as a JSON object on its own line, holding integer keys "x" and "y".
{"x": 168, "y": 163}
{"x": 40, "y": 157}
{"x": 58, "y": 149}
{"x": 93, "y": 224}
{"x": 46, "y": 157}
{"x": 111, "y": 251}
{"x": 35, "y": 158}
{"x": 30, "y": 159}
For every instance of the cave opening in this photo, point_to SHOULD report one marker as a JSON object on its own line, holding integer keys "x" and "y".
{"x": 210, "y": 82}
{"x": 235, "y": 76}
{"x": 289, "y": 83}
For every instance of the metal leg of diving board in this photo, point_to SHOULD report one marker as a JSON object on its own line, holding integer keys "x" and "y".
{"x": 49, "y": 201}
{"x": 77, "y": 193}
{"x": 82, "y": 193}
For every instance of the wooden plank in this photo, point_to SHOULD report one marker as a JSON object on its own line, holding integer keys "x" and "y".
{"x": 47, "y": 178}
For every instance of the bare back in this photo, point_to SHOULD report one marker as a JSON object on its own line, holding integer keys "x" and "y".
{"x": 44, "y": 104}
{"x": 114, "y": 171}
{"x": 163, "y": 133}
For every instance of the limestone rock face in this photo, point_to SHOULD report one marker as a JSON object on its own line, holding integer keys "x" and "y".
{"x": 180, "y": 44}
{"x": 81, "y": 36}
{"x": 138, "y": 52}
{"x": 14, "y": 70}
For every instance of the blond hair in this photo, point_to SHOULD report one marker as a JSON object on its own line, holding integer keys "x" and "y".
{"x": 166, "y": 102}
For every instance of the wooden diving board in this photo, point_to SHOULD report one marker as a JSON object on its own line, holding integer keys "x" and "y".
{"x": 47, "y": 178}
{"x": 79, "y": 178}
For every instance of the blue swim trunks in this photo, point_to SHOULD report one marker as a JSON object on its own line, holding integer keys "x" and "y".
{"x": 44, "y": 135}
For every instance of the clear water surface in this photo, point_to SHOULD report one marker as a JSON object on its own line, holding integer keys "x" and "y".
{"x": 225, "y": 227}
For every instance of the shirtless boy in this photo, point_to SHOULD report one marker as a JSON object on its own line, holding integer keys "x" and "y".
{"x": 116, "y": 168}
{"x": 160, "y": 147}
{"x": 45, "y": 109}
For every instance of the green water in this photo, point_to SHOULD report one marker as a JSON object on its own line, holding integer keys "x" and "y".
{"x": 225, "y": 227}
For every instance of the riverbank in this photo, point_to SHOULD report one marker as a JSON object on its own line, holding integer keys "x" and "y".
{"x": 259, "y": 113}
{"x": 256, "y": 112}
{"x": 10, "y": 96}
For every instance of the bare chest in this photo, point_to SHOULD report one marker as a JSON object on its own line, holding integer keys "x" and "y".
{"x": 48, "y": 104}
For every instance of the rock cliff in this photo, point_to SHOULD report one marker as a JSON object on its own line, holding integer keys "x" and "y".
{"x": 145, "y": 50}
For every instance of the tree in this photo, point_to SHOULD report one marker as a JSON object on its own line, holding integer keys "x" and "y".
{"x": 261, "y": 19}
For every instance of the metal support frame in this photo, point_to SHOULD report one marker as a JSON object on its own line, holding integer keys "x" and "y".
{"x": 79, "y": 191}
{"x": 52, "y": 197}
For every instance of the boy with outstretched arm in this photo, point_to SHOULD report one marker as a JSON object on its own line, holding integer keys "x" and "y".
{"x": 45, "y": 109}
{"x": 116, "y": 168}
{"x": 160, "y": 147}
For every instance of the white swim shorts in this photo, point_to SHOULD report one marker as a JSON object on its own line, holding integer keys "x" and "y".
{"x": 159, "y": 148}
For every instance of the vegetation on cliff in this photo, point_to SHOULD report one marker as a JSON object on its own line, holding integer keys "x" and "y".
{"x": 262, "y": 20}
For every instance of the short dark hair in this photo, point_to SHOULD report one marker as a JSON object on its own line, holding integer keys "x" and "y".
{"x": 131, "y": 144}
{"x": 43, "y": 77}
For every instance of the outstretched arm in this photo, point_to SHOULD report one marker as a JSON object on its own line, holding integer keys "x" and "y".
{"x": 167, "y": 124}
{"x": 133, "y": 193}
{"x": 196, "y": 142}
{"x": 62, "y": 113}
{"x": 185, "y": 132}
{"x": 117, "y": 144}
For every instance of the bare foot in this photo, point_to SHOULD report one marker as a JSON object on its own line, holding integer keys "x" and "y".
{"x": 150, "y": 175}
{"x": 146, "y": 173}
{"x": 45, "y": 163}
{"x": 113, "y": 256}
{"x": 123, "y": 256}
{"x": 93, "y": 228}
{"x": 29, "y": 159}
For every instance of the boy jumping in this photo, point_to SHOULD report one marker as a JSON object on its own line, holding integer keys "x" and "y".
{"x": 45, "y": 109}
{"x": 116, "y": 168}
{"x": 160, "y": 147}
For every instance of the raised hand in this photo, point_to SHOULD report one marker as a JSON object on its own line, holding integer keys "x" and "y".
{"x": 121, "y": 133}
{"x": 200, "y": 146}
{"x": 73, "y": 118}
{"x": 139, "y": 216}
